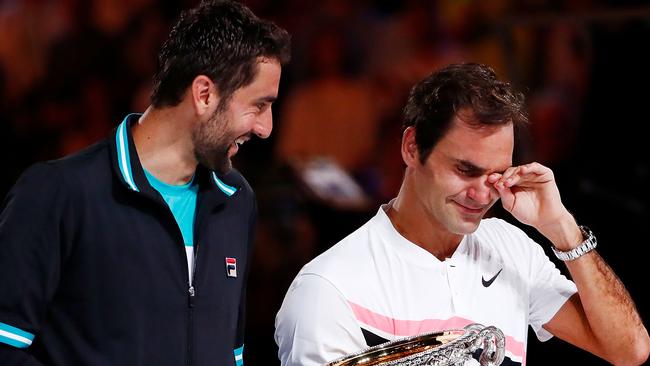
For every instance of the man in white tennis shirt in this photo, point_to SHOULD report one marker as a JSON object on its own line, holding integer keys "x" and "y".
{"x": 429, "y": 261}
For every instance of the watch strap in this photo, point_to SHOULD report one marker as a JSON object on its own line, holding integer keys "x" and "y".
{"x": 588, "y": 244}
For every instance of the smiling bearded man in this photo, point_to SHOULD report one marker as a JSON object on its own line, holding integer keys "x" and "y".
{"x": 136, "y": 250}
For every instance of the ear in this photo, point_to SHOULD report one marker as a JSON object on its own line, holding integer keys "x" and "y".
{"x": 204, "y": 95}
{"x": 410, "y": 153}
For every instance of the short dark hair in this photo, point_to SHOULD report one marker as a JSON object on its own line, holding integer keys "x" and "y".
{"x": 434, "y": 101}
{"x": 220, "y": 39}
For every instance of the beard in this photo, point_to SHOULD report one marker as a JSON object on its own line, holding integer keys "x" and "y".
{"x": 212, "y": 141}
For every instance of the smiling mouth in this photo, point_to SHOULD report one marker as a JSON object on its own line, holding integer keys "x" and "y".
{"x": 237, "y": 144}
{"x": 470, "y": 209}
{"x": 240, "y": 141}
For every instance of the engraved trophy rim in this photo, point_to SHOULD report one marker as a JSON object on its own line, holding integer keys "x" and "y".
{"x": 442, "y": 347}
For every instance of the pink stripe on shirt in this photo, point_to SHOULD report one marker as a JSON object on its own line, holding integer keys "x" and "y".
{"x": 405, "y": 328}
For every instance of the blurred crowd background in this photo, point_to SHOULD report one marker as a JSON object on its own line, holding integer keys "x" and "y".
{"x": 70, "y": 70}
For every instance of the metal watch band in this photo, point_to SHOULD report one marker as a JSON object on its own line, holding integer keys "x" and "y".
{"x": 589, "y": 243}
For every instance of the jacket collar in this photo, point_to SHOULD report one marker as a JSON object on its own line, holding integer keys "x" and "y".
{"x": 127, "y": 167}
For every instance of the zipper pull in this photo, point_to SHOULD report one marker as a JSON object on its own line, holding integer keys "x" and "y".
{"x": 192, "y": 293}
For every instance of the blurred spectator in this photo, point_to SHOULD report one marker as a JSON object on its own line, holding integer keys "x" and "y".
{"x": 27, "y": 29}
{"x": 139, "y": 41}
{"x": 332, "y": 114}
{"x": 112, "y": 16}
{"x": 555, "y": 106}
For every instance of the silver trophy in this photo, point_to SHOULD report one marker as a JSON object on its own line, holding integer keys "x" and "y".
{"x": 451, "y": 347}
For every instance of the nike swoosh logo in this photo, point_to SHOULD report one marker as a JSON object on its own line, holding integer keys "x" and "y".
{"x": 489, "y": 282}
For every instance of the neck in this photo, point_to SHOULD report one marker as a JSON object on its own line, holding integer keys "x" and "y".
{"x": 416, "y": 224}
{"x": 163, "y": 140}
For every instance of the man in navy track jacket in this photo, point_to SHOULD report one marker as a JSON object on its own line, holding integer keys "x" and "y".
{"x": 135, "y": 251}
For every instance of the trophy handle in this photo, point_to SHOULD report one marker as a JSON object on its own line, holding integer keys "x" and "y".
{"x": 494, "y": 344}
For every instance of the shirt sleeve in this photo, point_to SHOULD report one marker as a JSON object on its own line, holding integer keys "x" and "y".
{"x": 31, "y": 250}
{"x": 315, "y": 324}
{"x": 549, "y": 290}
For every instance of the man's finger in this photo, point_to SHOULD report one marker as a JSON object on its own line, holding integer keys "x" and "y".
{"x": 507, "y": 197}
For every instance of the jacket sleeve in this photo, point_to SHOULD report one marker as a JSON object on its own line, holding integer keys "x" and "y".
{"x": 32, "y": 237}
{"x": 241, "y": 319}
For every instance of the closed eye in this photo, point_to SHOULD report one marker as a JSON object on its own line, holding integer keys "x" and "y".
{"x": 264, "y": 103}
{"x": 469, "y": 170}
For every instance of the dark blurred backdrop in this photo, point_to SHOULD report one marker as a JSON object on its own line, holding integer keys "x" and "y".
{"x": 71, "y": 69}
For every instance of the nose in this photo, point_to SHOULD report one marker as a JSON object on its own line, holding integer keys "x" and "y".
{"x": 482, "y": 192}
{"x": 264, "y": 124}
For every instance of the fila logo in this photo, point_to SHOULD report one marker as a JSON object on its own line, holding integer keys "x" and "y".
{"x": 231, "y": 267}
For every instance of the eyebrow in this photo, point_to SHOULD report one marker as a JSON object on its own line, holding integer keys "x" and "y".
{"x": 473, "y": 168}
{"x": 267, "y": 99}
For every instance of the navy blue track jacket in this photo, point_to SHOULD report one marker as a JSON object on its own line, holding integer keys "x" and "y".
{"x": 93, "y": 268}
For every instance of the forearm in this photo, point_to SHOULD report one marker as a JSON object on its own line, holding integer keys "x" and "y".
{"x": 605, "y": 320}
{"x": 612, "y": 318}
{"x": 610, "y": 311}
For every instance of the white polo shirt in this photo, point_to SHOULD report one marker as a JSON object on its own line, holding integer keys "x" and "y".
{"x": 376, "y": 285}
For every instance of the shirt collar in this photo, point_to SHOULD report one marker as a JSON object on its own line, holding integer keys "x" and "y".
{"x": 126, "y": 164}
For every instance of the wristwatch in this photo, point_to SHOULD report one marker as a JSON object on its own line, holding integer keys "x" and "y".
{"x": 589, "y": 243}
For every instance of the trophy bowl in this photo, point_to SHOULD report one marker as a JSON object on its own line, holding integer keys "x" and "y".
{"x": 442, "y": 348}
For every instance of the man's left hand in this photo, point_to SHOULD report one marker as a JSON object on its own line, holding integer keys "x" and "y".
{"x": 530, "y": 194}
